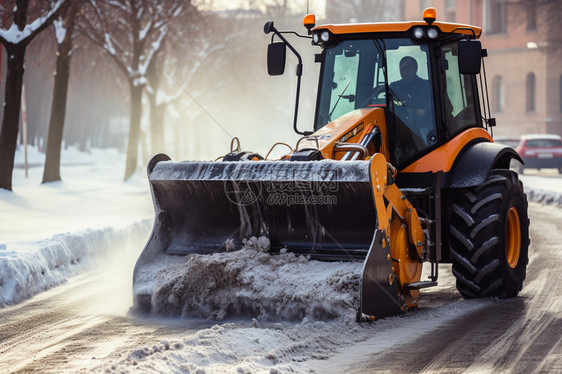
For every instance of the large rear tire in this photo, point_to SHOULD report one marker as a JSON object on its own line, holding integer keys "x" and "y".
{"x": 489, "y": 234}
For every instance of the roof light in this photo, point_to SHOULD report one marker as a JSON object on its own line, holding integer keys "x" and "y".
{"x": 432, "y": 33}
{"x": 429, "y": 15}
{"x": 315, "y": 38}
{"x": 309, "y": 21}
{"x": 418, "y": 33}
{"x": 325, "y": 36}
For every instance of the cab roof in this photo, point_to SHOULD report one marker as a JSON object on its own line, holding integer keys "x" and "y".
{"x": 380, "y": 27}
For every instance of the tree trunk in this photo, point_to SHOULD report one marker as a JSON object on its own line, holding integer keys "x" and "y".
{"x": 11, "y": 118}
{"x": 51, "y": 173}
{"x": 134, "y": 129}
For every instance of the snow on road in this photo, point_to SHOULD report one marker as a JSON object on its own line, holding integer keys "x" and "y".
{"x": 51, "y": 232}
{"x": 284, "y": 347}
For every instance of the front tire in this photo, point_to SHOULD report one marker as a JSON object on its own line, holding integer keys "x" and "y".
{"x": 489, "y": 234}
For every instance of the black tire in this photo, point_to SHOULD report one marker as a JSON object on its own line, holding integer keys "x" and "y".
{"x": 481, "y": 233}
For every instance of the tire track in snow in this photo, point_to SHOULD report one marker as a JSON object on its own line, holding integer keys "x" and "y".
{"x": 35, "y": 329}
{"x": 49, "y": 342}
{"x": 14, "y": 331}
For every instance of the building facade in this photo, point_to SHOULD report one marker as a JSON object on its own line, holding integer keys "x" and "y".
{"x": 523, "y": 67}
{"x": 353, "y": 11}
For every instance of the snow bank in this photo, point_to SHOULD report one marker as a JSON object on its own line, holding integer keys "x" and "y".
{"x": 37, "y": 266}
{"x": 545, "y": 190}
{"x": 50, "y": 232}
{"x": 545, "y": 197}
{"x": 251, "y": 282}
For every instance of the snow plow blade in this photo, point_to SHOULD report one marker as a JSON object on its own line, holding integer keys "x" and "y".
{"x": 323, "y": 209}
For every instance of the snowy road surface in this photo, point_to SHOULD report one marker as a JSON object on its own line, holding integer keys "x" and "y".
{"x": 83, "y": 326}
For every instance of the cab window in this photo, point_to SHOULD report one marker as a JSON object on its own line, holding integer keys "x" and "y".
{"x": 344, "y": 86}
{"x": 411, "y": 101}
{"x": 459, "y": 95}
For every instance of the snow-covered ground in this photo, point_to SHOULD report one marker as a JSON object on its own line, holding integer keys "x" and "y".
{"x": 52, "y": 231}
{"x": 49, "y": 233}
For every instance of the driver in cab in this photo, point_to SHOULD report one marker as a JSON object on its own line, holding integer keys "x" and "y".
{"x": 411, "y": 89}
{"x": 412, "y": 99}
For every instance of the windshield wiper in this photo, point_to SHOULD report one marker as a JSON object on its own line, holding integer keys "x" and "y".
{"x": 338, "y": 100}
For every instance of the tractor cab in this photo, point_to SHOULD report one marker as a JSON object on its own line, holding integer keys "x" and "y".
{"x": 411, "y": 69}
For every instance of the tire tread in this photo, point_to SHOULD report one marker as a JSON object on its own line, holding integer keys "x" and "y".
{"x": 477, "y": 236}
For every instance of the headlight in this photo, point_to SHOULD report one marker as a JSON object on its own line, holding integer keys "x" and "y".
{"x": 432, "y": 33}
{"x": 315, "y": 38}
{"x": 418, "y": 33}
{"x": 325, "y": 36}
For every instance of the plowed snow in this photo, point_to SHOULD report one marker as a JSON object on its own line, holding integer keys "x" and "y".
{"x": 251, "y": 282}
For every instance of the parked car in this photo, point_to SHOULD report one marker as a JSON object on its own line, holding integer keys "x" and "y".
{"x": 541, "y": 151}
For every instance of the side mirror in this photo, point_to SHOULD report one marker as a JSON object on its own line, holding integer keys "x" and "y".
{"x": 268, "y": 27}
{"x": 470, "y": 56}
{"x": 276, "y": 55}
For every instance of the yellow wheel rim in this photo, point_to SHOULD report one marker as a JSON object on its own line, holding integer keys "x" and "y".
{"x": 512, "y": 237}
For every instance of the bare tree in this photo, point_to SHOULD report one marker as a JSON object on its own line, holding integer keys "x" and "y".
{"x": 64, "y": 30}
{"x": 132, "y": 32}
{"x": 97, "y": 99}
{"x": 161, "y": 90}
{"x": 15, "y": 40}
{"x": 220, "y": 62}
{"x": 158, "y": 100}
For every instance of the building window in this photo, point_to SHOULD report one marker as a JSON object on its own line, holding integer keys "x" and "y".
{"x": 530, "y": 84}
{"x": 498, "y": 94}
{"x": 450, "y": 10}
{"x": 531, "y": 12}
{"x": 496, "y": 16}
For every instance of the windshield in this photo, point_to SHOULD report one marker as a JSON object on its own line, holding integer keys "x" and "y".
{"x": 354, "y": 77}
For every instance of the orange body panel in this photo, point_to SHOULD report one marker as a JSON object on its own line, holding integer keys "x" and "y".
{"x": 349, "y": 128}
{"x": 402, "y": 226}
{"x": 443, "y": 158}
{"x": 355, "y": 28}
